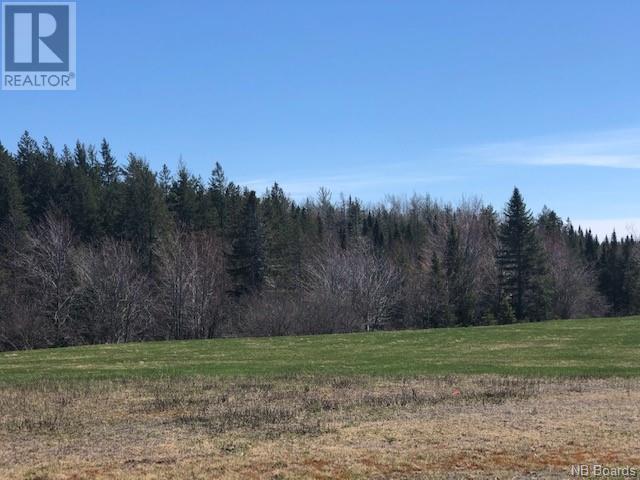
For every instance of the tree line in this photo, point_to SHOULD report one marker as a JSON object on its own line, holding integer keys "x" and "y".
{"x": 92, "y": 251}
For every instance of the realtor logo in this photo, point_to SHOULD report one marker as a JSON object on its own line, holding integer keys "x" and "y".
{"x": 38, "y": 46}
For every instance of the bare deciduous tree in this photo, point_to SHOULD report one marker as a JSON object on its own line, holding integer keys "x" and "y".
{"x": 45, "y": 265}
{"x": 115, "y": 293}
{"x": 574, "y": 291}
{"x": 365, "y": 285}
{"x": 472, "y": 290}
{"x": 191, "y": 284}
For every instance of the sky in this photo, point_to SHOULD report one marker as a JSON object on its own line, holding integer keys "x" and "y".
{"x": 454, "y": 99}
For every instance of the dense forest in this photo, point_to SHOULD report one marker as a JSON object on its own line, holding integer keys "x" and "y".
{"x": 96, "y": 252}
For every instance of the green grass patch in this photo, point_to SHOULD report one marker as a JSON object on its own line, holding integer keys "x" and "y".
{"x": 600, "y": 347}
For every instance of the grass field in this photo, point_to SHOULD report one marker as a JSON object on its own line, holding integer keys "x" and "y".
{"x": 518, "y": 401}
{"x": 593, "y": 347}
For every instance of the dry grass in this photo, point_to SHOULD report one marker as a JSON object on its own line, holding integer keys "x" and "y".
{"x": 316, "y": 427}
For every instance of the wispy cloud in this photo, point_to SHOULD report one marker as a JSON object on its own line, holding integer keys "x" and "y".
{"x": 612, "y": 148}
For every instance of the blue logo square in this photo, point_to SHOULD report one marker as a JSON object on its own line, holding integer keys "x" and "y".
{"x": 36, "y": 38}
{"x": 38, "y": 51}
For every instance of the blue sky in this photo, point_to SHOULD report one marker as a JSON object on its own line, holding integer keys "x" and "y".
{"x": 451, "y": 98}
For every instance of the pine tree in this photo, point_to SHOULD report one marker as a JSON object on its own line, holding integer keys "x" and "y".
{"x": 354, "y": 213}
{"x": 611, "y": 278}
{"x": 590, "y": 247}
{"x": 378, "y": 236}
{"x": 144, "y": 216}
{"x": 216, "y": 193}
{"x": 521, "y": 261}
{"x": 165, "y": 180}
{"x": 367, "y": 225}
{"x": 109, "y": 171}
{"x": 183, "y": 199}
{"x": 629, "y": 277}
{"x": 110, "y": 192}
{"x": 11, "y": 204}
{"x": 282, "y": 239}
{"x": 38, "y": 174}
{"x": 95, "y": 166}
{"x": 79, "y": 195}
{"x": 80, "y": 157}
{"x": 550, "y": 223}
{"x": 246, "y": 262}
{"x": 49, "y": 151}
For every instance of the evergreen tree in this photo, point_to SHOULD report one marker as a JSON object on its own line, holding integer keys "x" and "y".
{"x": 480, "y": 268}
{"x": 550, "y": 223}
{"x": 629, "y": 277}
{"x": 378, "y": 236}
{"x": 11, "y": 204}
{"x": 216, "y": 193}
{"x": 109, "y": 170}
{"x": 590, "y": 247}
{"x": 367, "y": 225}
{"x": 79, "y": 196}
{"x": 95, "y": 166}
{"x": 144, "y": 216}
{"x": 38, "y": 175}
{"x": 111, "y": 191}
{"x": 282, "y": 240}
{"x": 246, "y": 262}
{"x": 80, "y": 157}
{"x": 234, "y": 202}
{"x": 165, "y": 180}
{"x": 183, "y": 199}
{"x": 49, "y": 151}
{"x": 521, "y": 261}
{"x": 612, "y": 268}
{"x": 354, "y": 214}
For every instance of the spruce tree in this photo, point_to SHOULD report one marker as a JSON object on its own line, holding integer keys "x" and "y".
{"x": 80, "y": 157}
{"x": 246, "y": 262}
{"x": 282, "y": 240}
{"x": 109, "y": 170}
{"x": 378, "y": 236}
{"x": 590, "y": 247}
{"x": 183, "y": 199}
{"x": 38, "y": 174}
{"x": 79, "y": 195}
{"x": 165, "y": 180}
{"x": 521, "y": 261}
{"x": 144, "y": 214}
{"x": 216, "y": 193}
{"x": 11, "y": 205}
{"x": 111, "y": 191}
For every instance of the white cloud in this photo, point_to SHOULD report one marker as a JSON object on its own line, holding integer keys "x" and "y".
{"x": 612, "y": 148}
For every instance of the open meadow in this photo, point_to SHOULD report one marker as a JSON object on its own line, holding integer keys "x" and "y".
{"x": 526, "y": 400}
